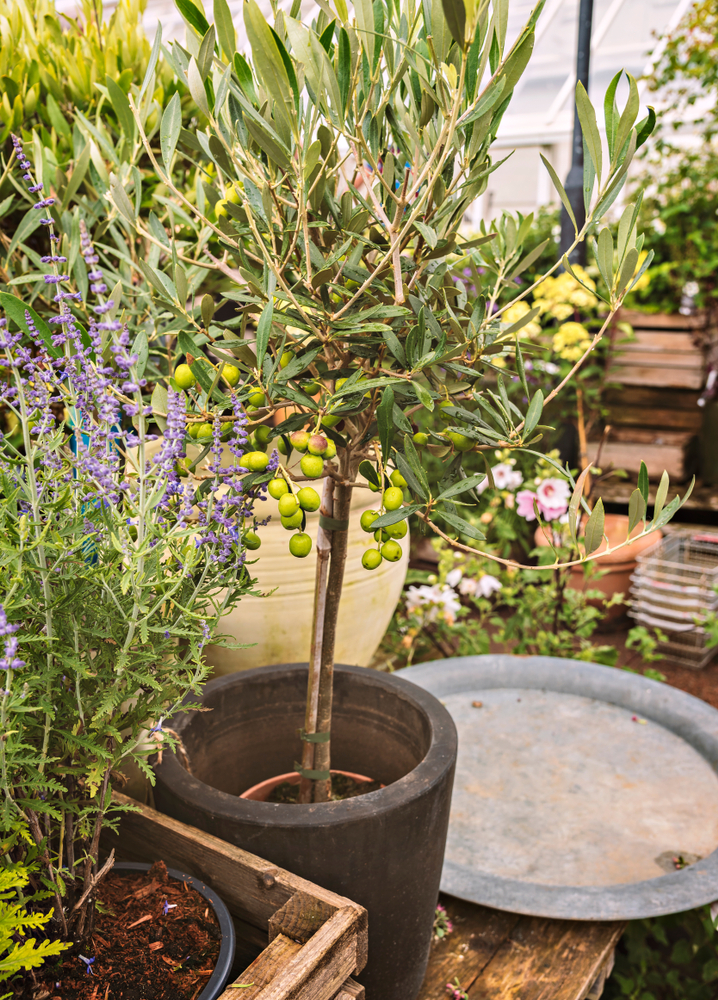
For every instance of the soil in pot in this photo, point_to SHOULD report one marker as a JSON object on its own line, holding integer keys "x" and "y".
{"x": 285, "y": 787}
{"x": 154, "y": 938}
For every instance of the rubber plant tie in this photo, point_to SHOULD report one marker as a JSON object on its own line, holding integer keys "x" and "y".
{"x": 314, "y": 737}
{"x": 331, "y": 523}
{"x": 311, "y": 774}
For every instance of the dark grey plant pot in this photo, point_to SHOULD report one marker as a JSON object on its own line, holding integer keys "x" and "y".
{"x": 218, "y": 980}
{"x": 383, "y": 850}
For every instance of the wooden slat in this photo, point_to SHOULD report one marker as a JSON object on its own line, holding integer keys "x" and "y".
{"x": 652, "y": 398}
{"x": 651, "y": 435}
{"x": 321, "y": 966}
{"x": 252, "y": 888}
{"x": 351, "y": 990}
{"x": 677, "y": 378}
{"x": 478, "y": 933}
{"x": 640, "y": 416}
{"x": 685, "y": 360}
{"x": 299, "y": 918}
{"x": 547, "y": 960}
{"x": 262, "y": 970}
{"x": 658, "y": 341}
{"x": 661, "y": 321}
{"x": 504, "y": 956}
{"x": 657, "y": 458}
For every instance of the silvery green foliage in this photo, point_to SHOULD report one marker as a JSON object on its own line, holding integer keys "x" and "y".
{"x": 117, "y": 560}
{"x": 346, "y": 153}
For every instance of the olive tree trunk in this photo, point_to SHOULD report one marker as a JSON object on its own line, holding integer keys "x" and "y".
{"x": 332, "y": 541}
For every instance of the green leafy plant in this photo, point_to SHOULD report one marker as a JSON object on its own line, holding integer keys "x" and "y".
{"x": 119, "y": 556}
{"x": 346, "y": 154}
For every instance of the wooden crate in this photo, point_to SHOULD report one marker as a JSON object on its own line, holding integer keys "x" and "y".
{"x": 310, "y": 941}
{"x": 667, "y": 351}
{"x": 672, "y": 451}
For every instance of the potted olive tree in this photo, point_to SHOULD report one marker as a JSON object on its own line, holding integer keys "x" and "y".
{"x": 345, "y": 155}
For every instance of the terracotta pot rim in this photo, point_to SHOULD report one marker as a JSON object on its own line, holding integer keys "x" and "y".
{"x": 293, "y": 778}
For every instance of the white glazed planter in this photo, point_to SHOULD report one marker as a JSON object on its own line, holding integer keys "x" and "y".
{"x": 280, "y": 625}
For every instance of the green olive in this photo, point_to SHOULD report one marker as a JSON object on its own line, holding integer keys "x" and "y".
{"x": 312, "y": 466}
{"x": 397, "y": 530}
{"x": 252, "y": 540}
{"x": 299, "y": 440}
{"x": 300, "y": 545}
{"x": 230, "y": 373}
{"x": 294, "y": 521}
{"x": 367, "y": 519}
{"x": 371, "y": 559}
{"x": 397, "y": 479}
{"x": 183, "y": 377}
{"x": 288, "y": 505}
{"x": 277, "y": 488}
{"x": 255, "y": 461}
{"x": 391, "y": 551}
{"x": 309, "y": 499}
{"x": 393, "y": 498}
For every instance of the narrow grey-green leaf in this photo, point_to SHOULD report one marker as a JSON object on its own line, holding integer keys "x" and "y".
{"x": 151, "y": 65}
{"x": 385, "y": 422}
{"x": 589, "y": 128}
{"x": 463, "y": 485}
{"x": 78, "y": 176}
{"x": 264, "y": 328}
{"x": 170, "y": 129}
{"x": 533, "y": 414}
{"x": 593, "y": 535}
{"x": 462, "y": 526}
{"x": 636, "y": 510}
{"x": 661, "y": 494}
{"x": 121, "y": 106}
{"x": 561, "y": 191}
{"x": 575, "y": 503}
{"x": 225, "y": 28}
{"x": 643, "y": 482}
{"x": 395, "y": 516}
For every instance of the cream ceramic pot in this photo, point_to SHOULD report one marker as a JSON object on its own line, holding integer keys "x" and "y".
{"x": 280, "y": 624}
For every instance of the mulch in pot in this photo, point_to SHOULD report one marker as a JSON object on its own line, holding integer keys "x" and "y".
{"x": 154, "y": 938}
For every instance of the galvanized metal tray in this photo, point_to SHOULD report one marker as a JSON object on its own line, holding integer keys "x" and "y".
{"x": 582, "y": 792}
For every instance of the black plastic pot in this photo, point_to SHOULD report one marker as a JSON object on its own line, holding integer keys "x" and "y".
{"x": 219, "y": 978}
{"x": 383, "y": 850}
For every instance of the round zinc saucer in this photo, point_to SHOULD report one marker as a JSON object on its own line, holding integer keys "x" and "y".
{"x": 582, "y": 792}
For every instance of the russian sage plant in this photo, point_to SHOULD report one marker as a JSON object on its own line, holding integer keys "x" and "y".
{"x": 118, "y": 556}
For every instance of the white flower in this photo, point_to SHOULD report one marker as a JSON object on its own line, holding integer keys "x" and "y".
{"x": 434, "y": 602}
{"x": 505, "y": 478}
{"x": 453, "y": 577}
{"x": 488, "y": 585}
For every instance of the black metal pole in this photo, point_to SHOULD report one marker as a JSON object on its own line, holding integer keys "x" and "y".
{"x": 574, "y": 181}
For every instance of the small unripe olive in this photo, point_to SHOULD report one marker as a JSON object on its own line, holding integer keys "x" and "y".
{"x": 380, "y": 535}
{"x": 281, "y": 447}
{"x": 368, "y": 518}
{"x": 288, "y": 505}
{"x": 183, "y": 377}
{"x": 285, "y": 359}
{"x": 293, "y": 521}
{"x": 277, "y": 488}
{"x": 193, "y": 429}
{"x": 252, "y": 540}
{"x": 391, "y": 551}
{"x": 299, "y": 440}
{"x": 421, "y": 438}
{"x": 255, "y": 461}
{"x": 397, "y": 530}
{"x": 300, "y": 545}
{"x": 231, "y": 374}
{"x": 312, "y": 388}
{"x": 371, "y": 559}
{"x": 204, "y": 431}
{"x": 256, "y": 398}
{"x": 397, "y": 479}
{"x": 460, "y": 441}
{"x": 330, "y": 420}
{"x": 309, "y": 499}
{"x": 312, "y": 466}
{"x": 330, "y": 450}
{"x": 393, "y": 498}
{"x": 262, "y": 433}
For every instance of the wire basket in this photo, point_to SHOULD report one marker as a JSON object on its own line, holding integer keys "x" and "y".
{"x": 674, "y": 586}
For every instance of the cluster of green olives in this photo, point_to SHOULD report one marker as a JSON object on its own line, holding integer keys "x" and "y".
{"x": 386, "y": 538}
{"x": 293, "y": 508}
{"x": 460, "y": 442}
{"x": 314, "y": 448}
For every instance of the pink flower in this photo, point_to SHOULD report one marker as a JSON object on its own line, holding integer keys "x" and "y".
{"x": 553, "y": 496}
{"x": 525, "y": 504}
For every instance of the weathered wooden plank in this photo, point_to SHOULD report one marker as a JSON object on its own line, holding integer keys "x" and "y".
{"x": 262, "y": 970}
{"x": 478, "y": 933}
{"x": 631, "y": 355}
{"x": 658, "y": 341}
{"x": 547, "y": 960}
{"x": 654, "y": 434}
{"x": 661, "y": 321}
{"x": 658, "y": 458}
{"x": 351, "y": 990}
{"x": 299, "y": 918}
{"x": 322, "y": 965}
{"x": 651, "y": 398}
{"x": 669, "y": 377}
{"x": 252, "y": 888}
{"x": 641, "y": 416}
